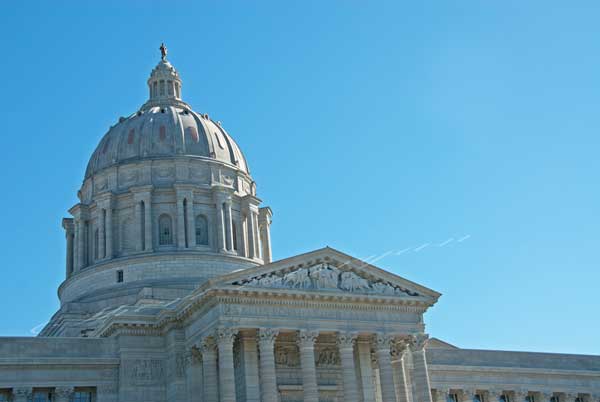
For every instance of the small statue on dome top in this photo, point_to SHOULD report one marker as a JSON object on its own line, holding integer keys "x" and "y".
{"x": 163, "y": 51}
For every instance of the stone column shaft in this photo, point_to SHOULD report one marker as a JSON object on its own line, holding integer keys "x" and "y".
{"x": 225, "y": 337}
{"x": 268, "y": 375}
{"x": 306, "y": 344}
{"x": 420, "y": 373}
{"x": 228, "y": 227}
{"x": 109, "y": 233}
{"x": 194, "y": 376}
{"x": 386, "y": 374}
{"x": 148, "y": 246}
{"x": 80, "y": 235}
{"x": 251, "y": 238}
{"x": 366, "y": 370}
{"x": 220, "y": 227}
{"x": 250, "y": 367}
{"x": 139, "y": 218}
{"x": 264, "y": 218}
{"x": 101, "y": 234}
{"x": 210, "y": 371}
{"x": 69, "y": 235}
{"x": 346, "y": 348}
{"x": 191, "y": 221}
{"x": 180, "y": 223}
{"x": 402, "y": 389}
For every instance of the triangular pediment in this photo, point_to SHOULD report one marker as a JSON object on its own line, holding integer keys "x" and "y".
{"x": 327, "y": 270}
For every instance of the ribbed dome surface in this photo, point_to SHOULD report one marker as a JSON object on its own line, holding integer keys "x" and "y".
{"x": 165, "y": 131}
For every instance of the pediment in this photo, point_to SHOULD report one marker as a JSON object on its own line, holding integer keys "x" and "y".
{"x": 328, "y": 270}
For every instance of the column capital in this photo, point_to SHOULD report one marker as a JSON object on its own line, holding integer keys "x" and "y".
{"x": 346, "y": 340}
{"x": 63, "y": 392}
{"x": 494, "y": 394}
{"x": 22, "y": 392}
{"x": 208, "y": 345}
{"x": 264, "y": 215}
{"x": 468, "y": 394}
{"x": 307, "y": 338}
{"x": 520, "y": 394}
{"x": 418, "y": 342}
{"x": 442, "y": 392}
{"x": 267, "y": 335}
{"x": 226, "y": 335}
{"x": 399, "y": 348}
{"x": 68, "y": 225}
{"x": 384, "y": 341}
{"x": 545, "y": 395}
{"x": 570, "y": 396}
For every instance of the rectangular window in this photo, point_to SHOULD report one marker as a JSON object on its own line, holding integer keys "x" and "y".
{"x": 42, "y": 396}
{"x": 554, "y": 399}
{"x": 3, "y": 396}
{"x": 504, "y": 398}
{"x": 530, "y": 398}
{"x": 82, "y": 396}
{"x": 452, "y": 397}
{"x": 120, "y": 276}
{"x": 477, "y": 398}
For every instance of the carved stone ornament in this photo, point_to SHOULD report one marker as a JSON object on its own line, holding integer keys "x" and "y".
{"x": 307, "y": 338}
{"x": 384, "y": 341}
{"x": 328, "y": 356}
{"x": 267, "y": 335}
{"x": 419, "y": 342}
{"x": 325, "y": 277}
{"x": 287, "y": 356}
{"x": 346, "y": 340}
{"x": 208, "y": 345}
{"x": 226, "y": 335}
{"x": 63, "y": 392}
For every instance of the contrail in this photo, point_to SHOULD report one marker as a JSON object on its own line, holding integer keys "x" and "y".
{"x": 421, "y": 247}
{"x": 463, "y": 238}
{"x": 402, "y": 251}
{"x": 450, "y": 240}
{"x": 36, "y": 330}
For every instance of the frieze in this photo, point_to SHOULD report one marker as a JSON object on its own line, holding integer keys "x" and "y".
{"x": 325, "y": 277}
{"x": 328, "y": 356}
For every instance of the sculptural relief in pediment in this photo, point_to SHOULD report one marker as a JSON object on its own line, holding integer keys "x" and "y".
{"x": 325, "y": 277}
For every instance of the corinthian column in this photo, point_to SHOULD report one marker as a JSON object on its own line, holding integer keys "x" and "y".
{"x": 306, "y": 344}
{"x": 399, "y": 368}
{"x": 383, "y": 345}
{"x": 225, "y": 337}
{"x": 210, "y": 373}
{"x": 228, "y": 226}
{"x": 421, "y": 373}
{"x": 346, "y": 343}
{"x": 268, "y": 376}
{"x": 193, "y": 374}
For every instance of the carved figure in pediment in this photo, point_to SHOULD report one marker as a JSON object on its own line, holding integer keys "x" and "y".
{"x": 325, "y": 277}
{"x": 299, "y": 279}
{"x": 352, "y": 282}
{"x": 383, "y": 288}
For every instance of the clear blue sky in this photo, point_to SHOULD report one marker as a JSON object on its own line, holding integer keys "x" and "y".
{"x": 369, "y": 126}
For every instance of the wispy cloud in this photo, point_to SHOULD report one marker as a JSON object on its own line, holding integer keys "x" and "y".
{"x": 467, "y": 237}
{"x": 400, "y": 252}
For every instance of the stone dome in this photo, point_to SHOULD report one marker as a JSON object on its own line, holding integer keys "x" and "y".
{"x": 165, "y": 127}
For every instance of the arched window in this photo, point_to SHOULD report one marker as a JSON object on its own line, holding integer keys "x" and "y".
{"x": 201, "y": 230}
{"x": 165, "y": 230}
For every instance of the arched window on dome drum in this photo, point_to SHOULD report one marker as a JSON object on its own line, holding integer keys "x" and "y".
{"x": 162, "y": 87}
{"x": 154, "y": 88}
{"x": 165, "y": 230}
{"x": 201, "y": 230}
{"x": 177, "y": 93}
{"x": 170, "y": 87}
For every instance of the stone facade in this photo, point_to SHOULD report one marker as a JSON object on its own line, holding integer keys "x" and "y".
{"x": 170, "y": 294}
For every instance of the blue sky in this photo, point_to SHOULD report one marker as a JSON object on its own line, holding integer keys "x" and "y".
{"x": 390, "y": 129}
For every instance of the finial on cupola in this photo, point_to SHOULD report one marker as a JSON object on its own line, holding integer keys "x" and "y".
{"x": 163, "y": 51}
